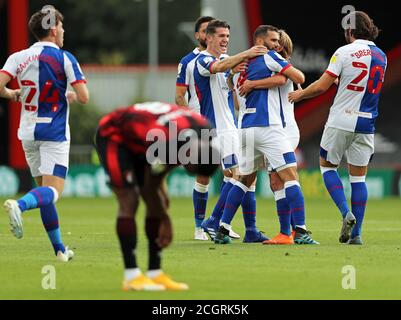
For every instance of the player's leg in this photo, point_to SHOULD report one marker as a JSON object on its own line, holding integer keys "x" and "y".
{"x": 48, "y": 162}
{"x": 134, "y": 279}
{"x": 211, "y": 224}
{"x": 228, "y": 147}
{"x": 249, "y": 162}
{"x": 248, "y": 204}
{"x": 286, "y": 219}
{"x": 283, "y": 211}
{"x": 293, "y": 135}
{"x": 200, "y": 196}
{"x": 242, "y": 144}
{"x": 359, "y": 155}
{"x": 243, "y": 191}
{"x": 50, "y": 219}
{"x": 232, "y": 203}
{"x": 332, "y": 148}
{"x": 281, "y": 156}
{"x": 117, "y": 162}
{"x": 155, "y": 272}
{"x": 294, "y": 196}
{"x": 126, "y": 229}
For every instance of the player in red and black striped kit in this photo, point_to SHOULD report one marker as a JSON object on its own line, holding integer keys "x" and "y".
{"x": 136, "y": 163}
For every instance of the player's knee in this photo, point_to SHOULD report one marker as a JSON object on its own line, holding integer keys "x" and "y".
{"x": 128, "y": 202}
{"x": 324, "y": 163}
{"x": 247, "y": 180}
{"x": 56, "y": 194}
{"x": 202, "y": 180}
{"x": 275, "y": 183}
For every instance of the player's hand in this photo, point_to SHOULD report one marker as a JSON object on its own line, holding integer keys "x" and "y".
{"x": 245, "y": 88}
{"x": 165, "y": 232}
{"x": 256, "y": 51}
{"x": 240, "y": 67}
{"x": 295, "y": 96}
{"x": 71, "y": 96}
{"x": 15, "y": 95}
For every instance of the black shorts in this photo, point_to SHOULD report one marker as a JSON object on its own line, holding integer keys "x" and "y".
{"x": 124, "y": 169}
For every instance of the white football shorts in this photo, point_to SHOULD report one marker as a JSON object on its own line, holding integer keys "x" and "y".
{"x": 259, "y": 143}
{"x": 357, "y": 147}
{"x": 293, "y": 136}
{"x": 50, "y": 158}
{"x": 229, "y": 148}
{"x": 292, "y": 133}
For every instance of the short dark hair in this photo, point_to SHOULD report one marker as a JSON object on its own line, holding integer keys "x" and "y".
{"x": 364, "y": 26}
{"x": 201, "y": 20}
{"x": 262, "y": 31}
{"x": 35, "y": 22}
{"x": 214, "y": 24}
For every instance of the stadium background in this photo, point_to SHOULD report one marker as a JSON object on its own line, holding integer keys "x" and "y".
{"x": 129, "y": 50}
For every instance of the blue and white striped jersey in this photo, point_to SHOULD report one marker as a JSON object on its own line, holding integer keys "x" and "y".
{"x": 43, "y": 72}
{"x": 214, "y": 94}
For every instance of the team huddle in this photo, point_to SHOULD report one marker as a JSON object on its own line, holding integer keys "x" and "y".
{"x": 260, "y": 82}
{"x": 211, "y": 86}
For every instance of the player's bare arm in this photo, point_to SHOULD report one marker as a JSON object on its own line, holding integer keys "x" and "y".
{"x": 6, "y": 93}
{"x": 180, "y": 92}
{"x": 231, "y": 62}
{"x": 295, "y": 75}
{"x": 82, "y": 93}
{"x": 317, "y": 88}
{"x": 266, "y": 83}
{"x": 239, "y": 68}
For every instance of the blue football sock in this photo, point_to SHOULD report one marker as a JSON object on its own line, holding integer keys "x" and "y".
{"x": 51, "y": 224}
{"x": 234, "y": 200}
{"x": 293, "y": 226}
{"x": 283, "y": 212}
{"x": 295, "y": 200}
{"x": 359, "y": 197}
{"x": 219, "y": 207}
{"x": 200, "y": 196}
{"x": 335, "y": 187}
{"x": 249, "y": 210}
{"x": 36, "y": 198}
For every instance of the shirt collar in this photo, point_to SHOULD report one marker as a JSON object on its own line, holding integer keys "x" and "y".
{"x": 45, "y": 44}
{"x": 196, "y": 50}
{"x": 222, "y": 56}
{"x": 362, "y": 41}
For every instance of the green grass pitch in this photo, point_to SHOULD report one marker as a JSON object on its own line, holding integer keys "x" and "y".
{"x": 237, "y": 271}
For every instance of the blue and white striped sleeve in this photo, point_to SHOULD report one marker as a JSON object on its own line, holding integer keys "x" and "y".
{"x": 72, "y": 69}
{"x": 275, "y": 62}
{"x": 204, "y": 65}
{"x": 182, "y": 74}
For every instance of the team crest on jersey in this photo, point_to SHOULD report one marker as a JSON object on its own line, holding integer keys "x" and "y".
{"x": 208, "y": 60}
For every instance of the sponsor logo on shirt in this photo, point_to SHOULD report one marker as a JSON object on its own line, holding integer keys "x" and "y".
{"x": 361, "y": 114}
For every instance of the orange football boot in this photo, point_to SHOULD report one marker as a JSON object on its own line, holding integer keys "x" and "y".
{"x": 280, "y": 239}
